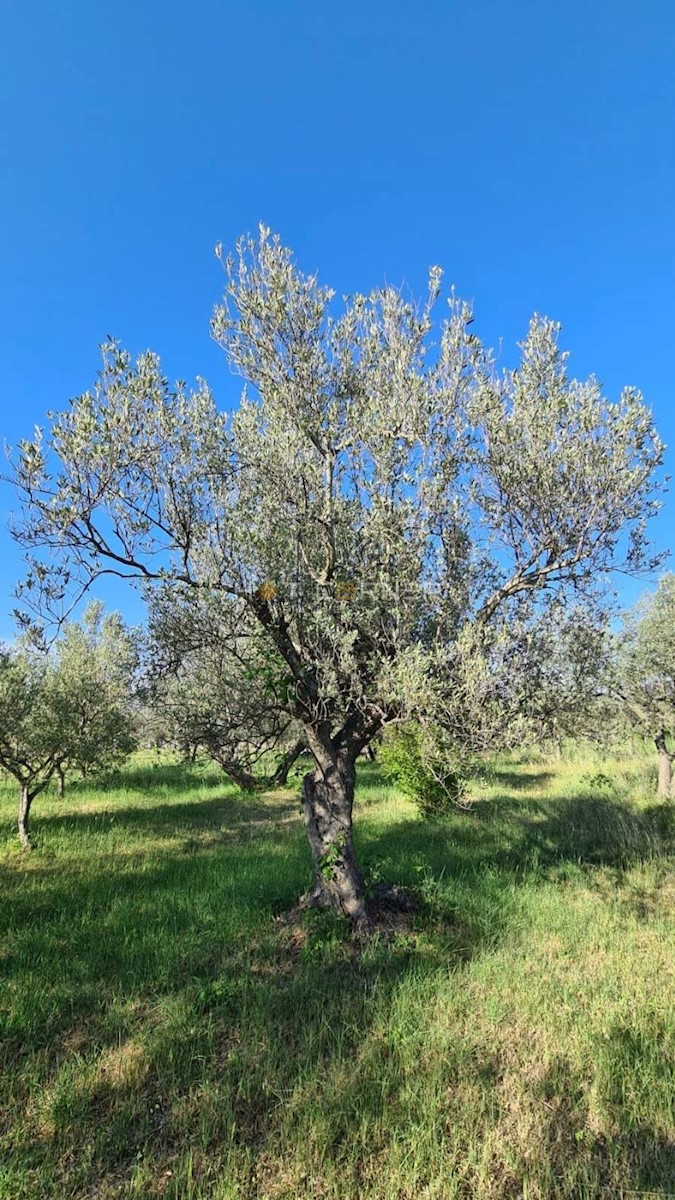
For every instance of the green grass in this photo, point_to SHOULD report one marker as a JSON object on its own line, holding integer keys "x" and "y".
{"x": 162, "y": 1035}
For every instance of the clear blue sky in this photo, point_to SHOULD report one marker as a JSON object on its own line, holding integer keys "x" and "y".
{"x": 529, "y": 148}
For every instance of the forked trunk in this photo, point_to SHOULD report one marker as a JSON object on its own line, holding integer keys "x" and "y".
{"x": 248, "y": 782}
{"x": 665, "y": 766}
{"x": 328, "y": 794}
{"x": 289, "y": 758}
{"x": 242, "y": 778}
{"x": 60, "y": 782}
{"x": 25, "y": 801}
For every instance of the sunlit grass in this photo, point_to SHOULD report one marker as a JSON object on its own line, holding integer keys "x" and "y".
{"x": 162, "y": 1035}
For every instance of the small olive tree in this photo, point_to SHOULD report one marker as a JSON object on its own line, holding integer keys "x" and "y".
{"x": 380, "y": 489}
{"x": 644, "y": 674}
{"x": 34, "y": 729}
{"x": 95, "y": 661}
{"x": 66, "y": 708}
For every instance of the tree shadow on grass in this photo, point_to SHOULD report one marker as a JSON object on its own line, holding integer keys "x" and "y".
{"x": 518, "y": 781}
{"x": 602, "y": 832}
{"x": 150, "y": 778}
{"x": 165, "y": 990}
{"x": 572, "y": 1156}
{"x": 229, "y": 815}
{"x": 163, "y": 978}
{"x": 636, "y": 1080}
{"x": 469, "y": 868}
{"x": 514, "y": 830}
{"x": 231, "y": 1050}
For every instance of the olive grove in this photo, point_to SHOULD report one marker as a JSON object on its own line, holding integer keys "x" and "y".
{"x": 382, "y": 504}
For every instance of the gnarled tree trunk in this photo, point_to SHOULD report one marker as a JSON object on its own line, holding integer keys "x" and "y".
{"x": 665, "y": 766}
{"x": 25, "y": 801}
{"x": 328, "y": 794}
{"x": 60, "y": 781}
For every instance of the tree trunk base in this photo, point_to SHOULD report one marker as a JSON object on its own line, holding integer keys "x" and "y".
{"x": 321, "y": 896}
{"x": 388, "y": 909}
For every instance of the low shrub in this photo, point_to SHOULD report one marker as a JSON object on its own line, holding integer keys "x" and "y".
{"x": 420, "y": 763}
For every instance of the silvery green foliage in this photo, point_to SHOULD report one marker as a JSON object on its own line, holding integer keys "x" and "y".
{"x": 34, "y": 728}
{"x": 381, "y": 495}
{"x": 563, "y": 479}
{"x": 555, "y": 668}
{"x": 70, "y": 704}
{"x": 94, "y": 666}
{"x": 534, "y": 677}
{"x": 66, "y": 707}
{"x": 218, "y": 685}
{"x": 644, "y": 677}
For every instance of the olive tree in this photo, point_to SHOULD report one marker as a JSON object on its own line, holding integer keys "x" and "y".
{"x": 381, "y": 488}
{"x": 34, "y": 729}
{"x": 66, "y": 707}
{"x": 220, "y": 689}
{"x": 556, "y": 669}
{"x": 644, "y": 674}
{"x": 95, "y": 661}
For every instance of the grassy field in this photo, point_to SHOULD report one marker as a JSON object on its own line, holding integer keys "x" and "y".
{"x": 163, "y": 1036}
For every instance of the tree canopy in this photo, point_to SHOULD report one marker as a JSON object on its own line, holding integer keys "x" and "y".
{"x": 380, "y": 499}
{"x": 95, "y": 661}
{"x": 644, "y": 676}
{"x": 66, "y": 708}
{"x": 34, "y": 730}
{"x": 222, "y": 687}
